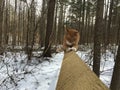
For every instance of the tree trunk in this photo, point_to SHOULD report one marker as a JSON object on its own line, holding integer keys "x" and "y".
{"x": 50, "y": 16}
{"x": 15, "y": 26}
{"x": 97, "y": 36}
{"x": 43, "y": 23}
{"x": 55, "y": 23}
{"x": 109, "y": 23}
{"x": 1, "y": 19}
{"x": 83, "y": 19}
{"x": 115, "y": 82}
{"x": 33, "y": 28}
{"x": 60, "y": 24}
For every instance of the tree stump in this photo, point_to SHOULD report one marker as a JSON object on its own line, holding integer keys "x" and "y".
{"x": 76, "y": 75}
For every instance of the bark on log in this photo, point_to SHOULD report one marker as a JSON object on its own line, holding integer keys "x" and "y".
{"x": 76, "y": 75}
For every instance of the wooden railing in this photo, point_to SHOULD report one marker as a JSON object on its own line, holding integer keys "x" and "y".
{"x": 76, "y": 75}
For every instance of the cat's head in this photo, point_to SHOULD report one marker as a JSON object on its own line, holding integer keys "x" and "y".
{"x": 71, "y": 35}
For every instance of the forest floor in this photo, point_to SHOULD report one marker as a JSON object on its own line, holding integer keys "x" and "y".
{"x": 16, "y": 74}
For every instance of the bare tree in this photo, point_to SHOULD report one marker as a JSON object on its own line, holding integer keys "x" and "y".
{"x": 97, "y": 36}
{"x": 109, "y": 23}
{"x": 1, "y": 19}
{"x": 50, "y": 16}
{"x": 42, "y": 24}
{"x": 83, "y": 22}
{"x": 115, "y": 82}
{"x": 60, "y": 23}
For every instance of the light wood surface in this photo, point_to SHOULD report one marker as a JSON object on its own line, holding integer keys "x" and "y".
{"x": 76, "y": 75}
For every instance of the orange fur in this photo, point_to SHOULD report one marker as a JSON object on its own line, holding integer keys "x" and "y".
{"x": 71, "y": 40}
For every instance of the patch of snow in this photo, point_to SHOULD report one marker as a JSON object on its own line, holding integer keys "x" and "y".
{"x": 44, "y": 76}
{"x": 29, "y": 77}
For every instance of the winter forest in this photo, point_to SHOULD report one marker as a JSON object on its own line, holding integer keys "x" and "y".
{"x": 31, "y": 41}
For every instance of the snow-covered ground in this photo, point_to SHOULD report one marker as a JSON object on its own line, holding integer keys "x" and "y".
{"x": 16, "y": 74}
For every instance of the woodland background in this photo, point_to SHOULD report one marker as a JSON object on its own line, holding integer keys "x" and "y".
{"x": 38, "y": 25}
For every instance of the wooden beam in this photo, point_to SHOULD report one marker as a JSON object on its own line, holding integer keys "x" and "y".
{"x": 76, "y": 75}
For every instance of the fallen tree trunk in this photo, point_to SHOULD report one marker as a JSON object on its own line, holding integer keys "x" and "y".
{"x": 76, "y": 75}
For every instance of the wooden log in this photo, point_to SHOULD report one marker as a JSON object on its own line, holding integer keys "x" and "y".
{"x": 76, "y": 75}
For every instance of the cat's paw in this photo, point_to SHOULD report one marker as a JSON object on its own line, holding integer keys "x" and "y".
{"x": 74, "y": 49}
{"x": 71, "y": 49}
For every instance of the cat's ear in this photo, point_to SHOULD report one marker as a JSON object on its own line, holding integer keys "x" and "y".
{"x": 67, "y": 30}
{"x": 76, "y": 31}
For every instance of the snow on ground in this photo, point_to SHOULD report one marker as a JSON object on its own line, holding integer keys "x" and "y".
{"x": 106, "y": 65}
{"x": 28, "y": 77}
{"x": 15, "y": 74}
